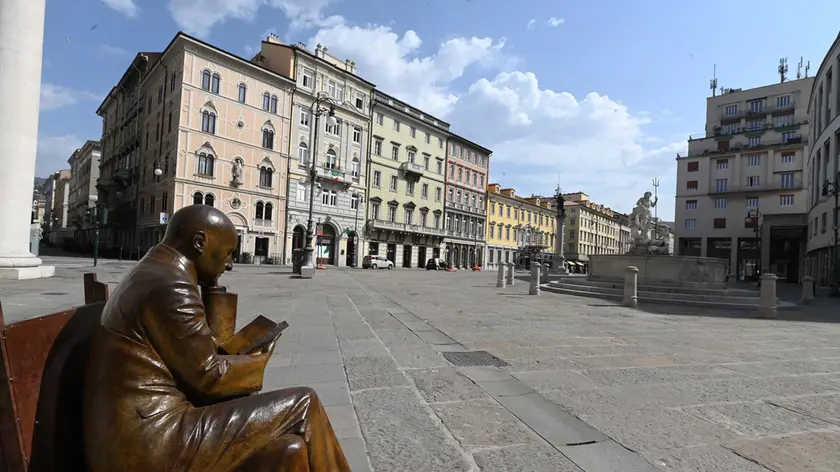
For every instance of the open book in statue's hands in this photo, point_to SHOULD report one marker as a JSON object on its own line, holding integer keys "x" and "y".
{"x": 254, "y": 336}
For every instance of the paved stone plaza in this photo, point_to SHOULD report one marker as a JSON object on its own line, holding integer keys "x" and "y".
{"x": 590, "y": 386}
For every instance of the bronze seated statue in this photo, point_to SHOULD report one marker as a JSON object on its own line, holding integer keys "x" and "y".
{"x": 169, "y": 386}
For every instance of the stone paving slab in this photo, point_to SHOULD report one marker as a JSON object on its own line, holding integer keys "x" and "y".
{"x": 668, "y": 387}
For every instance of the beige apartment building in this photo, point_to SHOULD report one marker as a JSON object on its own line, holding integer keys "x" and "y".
{"x": 823, "y": 168}
{"x": 55, "y": 206}
{"x": 741, "y": 190}
{"x": 206, "y": 127}
{"x": 591, "y": 228}
{"x": 84, "y": 173}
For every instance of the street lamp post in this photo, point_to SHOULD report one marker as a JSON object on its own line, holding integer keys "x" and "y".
{"x": 831, "y": 188}
{"x": 754, "y": 218}
{"x": 307, "y": 271}
{"x": 355, "y": 260}
{"x": 559, "y": 265}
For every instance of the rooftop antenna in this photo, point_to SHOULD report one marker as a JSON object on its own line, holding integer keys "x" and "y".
{"x": 713, "y": 81}
{"x": 799, "y": 68}
{"x": 783, "y": 68}
{"x": 807, "y": 68}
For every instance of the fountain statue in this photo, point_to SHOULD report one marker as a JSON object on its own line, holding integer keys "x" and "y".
{"x": 640, "y": 226}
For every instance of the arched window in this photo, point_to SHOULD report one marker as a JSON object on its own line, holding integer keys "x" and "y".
{"x": 209, "y": 199}
{"x": 243, "y": 93}
{"x": 205, "y": 80}
{"x": 266, "y": 176}
{"x": 274, "y": 104}
{"x": 198, "y": 198}
{"x": 269, "y": 209}
{"x": 206, "y": 164}
{"x": 266, "y": 101}
{"x": 303, "y": 154}
{"x": 258, "y": 210}
{"x": 208, "y": 122}
{"x": 332, "y": 160}
{"x": 215, "y": 83}
{"x": 268, "y": 138}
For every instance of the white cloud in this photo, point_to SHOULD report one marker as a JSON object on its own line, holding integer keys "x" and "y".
{"x": 392, "y": 62}
{"x": 198, "y": 17}
{"x": 126, "y": 7}
{"x": 531, "y": 24}
{"x": 107, "y": 50}
{"x": 53, "y": 152}
{"x": 553, "y": 22}
{"x": 595, "y": 144}
{"x": 54, "y": 97}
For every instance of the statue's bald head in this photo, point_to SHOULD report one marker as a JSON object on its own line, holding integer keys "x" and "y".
{"x": 204, "y": 235}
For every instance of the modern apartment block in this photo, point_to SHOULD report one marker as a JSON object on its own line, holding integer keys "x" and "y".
{"x": 84, "y": 173}
{"x": 741, "y": 189}
{"x": 591, "y": 228}
{"x": 337, "y": 152}
{"x": 198, "y": 126}
{"x": 518, "y": 228}
{"x": 823, "y": 169}
{"x": 407, "y": 166}
{"x": 466, "y": 187}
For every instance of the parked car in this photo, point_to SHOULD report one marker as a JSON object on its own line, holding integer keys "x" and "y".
{"x": 436, "y": 264}
{"x": 376, "y": 262}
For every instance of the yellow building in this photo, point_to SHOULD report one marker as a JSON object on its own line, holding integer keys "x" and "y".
{"x": 518, "y": 228}
{"x": 590, "y": 229}
{"x": 406, "y": 187}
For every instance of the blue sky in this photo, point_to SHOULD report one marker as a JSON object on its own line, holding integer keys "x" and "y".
{"x": 601, "y": 93}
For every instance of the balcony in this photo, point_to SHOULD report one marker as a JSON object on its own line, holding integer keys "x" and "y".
{"x": 334, "y": 175}
{"x": 766, "y": 187}
{"x": 728, "y": 118}
{"x": 781, "y": 109}
{"x": 410, "y": 168}
{"x": 405, "y": 228}
{"x": 701, "y": 149}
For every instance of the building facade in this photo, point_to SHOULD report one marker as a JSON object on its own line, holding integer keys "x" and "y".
{"x": 519, "y": 229}
{"x": 741, "y": 190}
{"x": 590, "y": 229}
{"x": 822, "y": 166}
{"x": 337, "y": 153}
{"x": 84, "y": 173}
{"x": 468, "y": 165}
{"x": 407, "y": 165}
{"x": 213, "y": 130}
{"x": 54, "y": 213}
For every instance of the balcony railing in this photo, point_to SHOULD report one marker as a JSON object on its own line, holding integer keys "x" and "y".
{"x": 408, "y": 228}
{"x": 263, "y": 223}
{"x": 334, "y": 174}
{"x": 412, "y": 168}
{"x": 744, "y": 188}
{"x": 741, "y": 147}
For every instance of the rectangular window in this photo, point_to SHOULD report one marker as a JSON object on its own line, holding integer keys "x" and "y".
{"x": 437, "y": 194}
{"x": 786, "y": 200}
{"x": 722, "y": 164}
{"x": 754, "y": 141}
{"x": 753, "y": 161}
{"x": 304, "y": 117}
{"x": 691, "y": 185}
{"x": 409, "y": 187}
{"x": 392, "y": 213}
{"x": 412, "y": 132}
{"x": 301, "y": 192}
{"x": 409, "y": 216}
{"x": 395, "y": 153}
{"x": 689, "y": 205}
{"x": 333, "y": 130}
{"x": 426, "y": 162}
{"x": 691, "y": 223}
{"x": 308, "y": 78}
{"x": 756, "y": 106}
{"x": 354, "y": 202}
{"x": 753, "y": 181}
{"x": 393, "y": 186}
{"x": 787, "y": 180}
{"x": 428, "y": 138}
{"x": 439, "y": 166}
{"x": 357, "y": 135}
{"x": 380, "y": 119}
{"x": 730, "y": 128}
{"x": 721, "y": 185}
{"x": 720, "y": 203}
{"x": 782, "y": 120}
{"x": 440, "y": 143}
{"x": 693, "y": 166}
{"x": 360, "y": 100}
{"x": 783, "y": 101}
{"x": 377, "y": 179}
{"x": 329, "y": 197}
{"x": 437, "y": 221}
{"x": 787, "y": 136}
{"x": 374, "y": 210}
{"x": 731, "y": 110}
{"x": 424, "y": 191}
{"x": 719, "y": 223}
{"x": 751, "y": 202}
{"x": 755, "y": 125}
{"x": 377, "y": 147}
{"x": 788, "y": 158}
{"x": 423, "y": 215}
{"x": 396, "y": 126}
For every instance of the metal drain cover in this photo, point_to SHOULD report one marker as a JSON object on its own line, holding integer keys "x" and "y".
{"x": 474, "y": 359}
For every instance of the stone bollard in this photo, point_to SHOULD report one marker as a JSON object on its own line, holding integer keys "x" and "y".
{"x": 500, "y": 279}
{"x": 631, "y": 297}
{"x": 534, "y": 289}
{"x": 544, "y": 276}
{"x": 767, "y": 299}
{"x": 510, "y": 267}
{"x": 807, "y": 290}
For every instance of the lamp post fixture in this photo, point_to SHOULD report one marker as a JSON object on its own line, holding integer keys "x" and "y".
{"x": 316, "y": 109}
{"x": 832, "y": 189}
{"x": 559, "y": 265}
{"x": 355, "y": 261}
{"x": 754, "y": 218}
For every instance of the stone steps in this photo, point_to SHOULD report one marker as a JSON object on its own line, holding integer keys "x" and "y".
{"x": 703, "y": 301}
{"x": 580, "y": 281}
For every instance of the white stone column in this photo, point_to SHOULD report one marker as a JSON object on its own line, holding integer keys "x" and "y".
{"x": 767, "y": 297}
{"x": 500, "y": 278}
{"x": 534, "y": 288}
{"x": 807, "y": 290}
{"x": 510, "y": 272}
{"x": 21, "y": 54}
{"x": 631, "y": 297}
